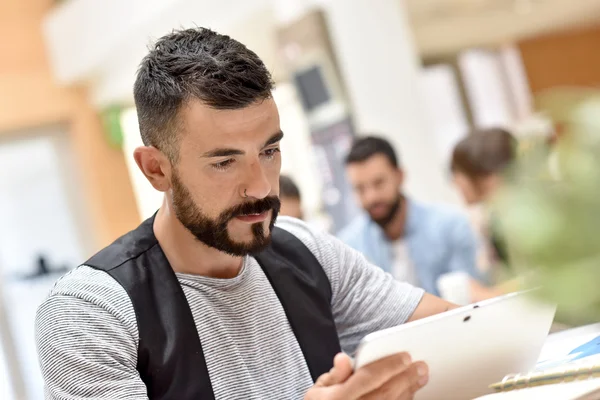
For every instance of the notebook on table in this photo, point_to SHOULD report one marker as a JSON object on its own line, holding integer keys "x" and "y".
{"x": 576, "y": 379}
{"x": 578, "y": 390}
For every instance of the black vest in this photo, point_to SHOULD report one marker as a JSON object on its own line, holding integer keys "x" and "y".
{"x": 170, "y": 358}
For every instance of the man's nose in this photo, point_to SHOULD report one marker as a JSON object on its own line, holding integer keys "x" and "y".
{"x": 257, "y": 185}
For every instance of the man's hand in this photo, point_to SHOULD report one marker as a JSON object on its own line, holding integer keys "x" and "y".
{"x": 395, "y": 377}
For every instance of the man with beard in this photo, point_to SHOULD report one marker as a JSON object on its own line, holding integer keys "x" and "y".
{"x": 209, "y": 298}
{"x": 417, "y": 243}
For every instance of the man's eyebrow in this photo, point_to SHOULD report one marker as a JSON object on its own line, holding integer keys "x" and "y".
{"x": 274, "y": 139}
{"x": 226, "y": 152}
{"x": 222, "y": 152}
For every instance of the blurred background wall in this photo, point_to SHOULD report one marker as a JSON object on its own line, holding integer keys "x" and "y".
{"x": 64, "y": 192}
{"x": 31, "y": 98}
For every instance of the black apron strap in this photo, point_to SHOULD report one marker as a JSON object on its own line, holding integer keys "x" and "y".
{"x": 304, "y": 291}
{"x": 171, "y": 362}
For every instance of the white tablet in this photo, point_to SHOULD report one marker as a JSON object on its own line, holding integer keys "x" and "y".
{"x": 469, "y": 348}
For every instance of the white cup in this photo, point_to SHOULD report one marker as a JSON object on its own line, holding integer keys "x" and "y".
{"x": 454, "y": 287}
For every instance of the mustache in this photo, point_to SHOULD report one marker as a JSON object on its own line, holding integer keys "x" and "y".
{"x": 255, "y": 207}
{"x": 376, "y": 205}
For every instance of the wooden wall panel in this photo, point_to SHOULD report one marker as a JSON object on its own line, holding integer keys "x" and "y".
{"x": 563, "y": 59}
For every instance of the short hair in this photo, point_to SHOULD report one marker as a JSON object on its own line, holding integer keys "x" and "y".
{"x": 287, "y": 188}
{"x": 196, "y": 64}
{"x": 484, "y": 152}
{"x": 368, "y": 146}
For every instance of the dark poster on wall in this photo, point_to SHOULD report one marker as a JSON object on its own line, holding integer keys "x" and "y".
{"x": 331, "y": 145}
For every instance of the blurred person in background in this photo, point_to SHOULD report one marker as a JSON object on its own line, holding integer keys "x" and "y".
{"x": 478, "y": 165}
{"x": 416, "y": 242}
{"x": 207, "y": 298}
{"x": 289, "y": 194}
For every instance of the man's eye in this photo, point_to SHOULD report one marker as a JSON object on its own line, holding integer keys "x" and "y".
{"x": 271, "y": 152}
{"x": 223, "y": 164}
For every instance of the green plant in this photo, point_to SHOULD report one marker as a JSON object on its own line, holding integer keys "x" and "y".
{"x": 551, "y": 219}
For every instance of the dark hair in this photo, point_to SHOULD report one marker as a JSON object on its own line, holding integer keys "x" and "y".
{"x": 484, "y": 152}
{"x": 194, "y": 64}
{"x": 287, "y": 187}
{"x": 368, "y": 146}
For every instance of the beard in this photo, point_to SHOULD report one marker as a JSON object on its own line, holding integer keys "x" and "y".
{"x": 392, "y": 209}
{"x": 214, "y": 232}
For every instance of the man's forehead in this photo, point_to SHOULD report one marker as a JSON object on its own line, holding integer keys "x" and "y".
{"x": 259, "y": 120}
{"x": 375, "y": 163}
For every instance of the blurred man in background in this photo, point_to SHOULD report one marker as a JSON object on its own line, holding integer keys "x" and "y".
{"x": 289, "y": 194}
{"x": 416, "y": 242}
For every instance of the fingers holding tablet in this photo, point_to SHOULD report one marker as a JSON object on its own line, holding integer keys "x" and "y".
{"x": 393, "y": 377}
{"x": 341, "y": 371}
{"x": 390, "y": 379}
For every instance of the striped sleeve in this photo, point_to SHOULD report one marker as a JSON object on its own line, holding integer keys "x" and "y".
{"x": 87, "y": 340}
{"x": 365, "y": 299}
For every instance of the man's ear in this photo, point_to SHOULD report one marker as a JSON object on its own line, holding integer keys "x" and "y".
{"x": 399, "y": 176}
{"x": 155, "y": 166}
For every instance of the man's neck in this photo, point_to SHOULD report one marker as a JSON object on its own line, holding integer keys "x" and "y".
{"x": 188, "y": 255}
{"x": 397, "y": 226}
